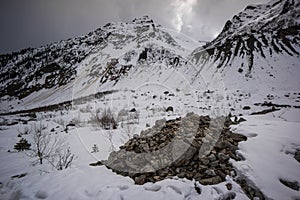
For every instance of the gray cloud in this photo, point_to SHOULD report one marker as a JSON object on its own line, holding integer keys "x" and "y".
{"x": 37, "y": 22}
{"x": 209, "y": 16}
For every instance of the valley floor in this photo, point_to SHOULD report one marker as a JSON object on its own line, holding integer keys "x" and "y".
{"x": 268, "y": 155}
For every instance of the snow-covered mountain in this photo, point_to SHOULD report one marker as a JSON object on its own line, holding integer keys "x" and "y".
{"x": 259, "y": 46}
{"x": 98, "y": 59}
{"x": 137, "y": 73}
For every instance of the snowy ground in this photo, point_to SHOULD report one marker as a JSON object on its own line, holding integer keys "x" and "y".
{"x": 268, "y": 152}
{"x": 272, "y": 138}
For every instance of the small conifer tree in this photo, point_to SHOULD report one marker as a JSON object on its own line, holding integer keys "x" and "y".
{"x": 22, "y": 145}
{"x": 95, "y": 149}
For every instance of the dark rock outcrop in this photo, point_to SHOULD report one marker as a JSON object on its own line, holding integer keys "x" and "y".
{"x": 194, "y": 147}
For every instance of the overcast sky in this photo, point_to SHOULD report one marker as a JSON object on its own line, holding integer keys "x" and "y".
{"x": 32, "y": 23}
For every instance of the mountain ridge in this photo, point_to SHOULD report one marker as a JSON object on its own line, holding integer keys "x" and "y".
{"x": 251, "y": 48}
{"x": 253, "y": 45}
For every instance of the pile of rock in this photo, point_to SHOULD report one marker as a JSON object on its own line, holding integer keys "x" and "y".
{"x": 194, "y": 147}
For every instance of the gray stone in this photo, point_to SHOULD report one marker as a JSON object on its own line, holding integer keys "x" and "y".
{"x": 198, "y": 176}
{"x": 140, "y": 180}
{"x": 182, "y": 152}
{"x": 189, "y": 175}
{"x": 163, "y": 172}
{"x": 212, "y": 157}
{"x": 204, "y": 161}
{"x": 210, "y": 172}
{"x": 181, "y": 175}
{"x": 202, "y": 167}
{"x": 196, "y": 143}
{"x": 214, "y": 164}
{"x": 163, "y": 138}
{"x": 211, "y": 181}
{"x": 144, "y": 146}
{"x": 160, "y": 123}
{"x": 152, "y": 143}
{"x": 190, "y": 114}
{"x": 221, "y": 144}
{"x": 148, "y": 168}
{"x": 223, "y": 157}
{"x": 143, "y": 141}
{"x": 186, "y": 124}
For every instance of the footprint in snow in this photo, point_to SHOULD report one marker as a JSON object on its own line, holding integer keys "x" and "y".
{"x": 250, "y": 135}
{"x": 153, "y": 188}
{"x": 123, "y": 187}
{"x": 177, "y": 190}
{"x": 41, "y": 194}
{"x": 245, "y": 168}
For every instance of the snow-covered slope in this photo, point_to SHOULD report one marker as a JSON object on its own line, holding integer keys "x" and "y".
{"x": 259, "y": 46}
{"x": 34, "y": 77}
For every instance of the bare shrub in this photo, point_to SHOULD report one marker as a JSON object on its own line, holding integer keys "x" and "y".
{"x": 109, "y": 136}
{"x": 60, "y": 121}
{"x": 43, "y": 145}
{"x": 129, "y": 130}
{"x": 130, "y": 117}
{"x": 86, "y": 109}
{"x": 25, "y": 131}
{"x": 94, "y": 120}
{"x": 134, "y": 117}
{"x": 122, "y": 115}
{"x": 107, "y": 120}
{"x": 63, "y": 159}
{"x": 77, "y": 120}
{"x": 50, "y": 148}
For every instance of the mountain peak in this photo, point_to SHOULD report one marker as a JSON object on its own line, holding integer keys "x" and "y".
{"x": 142, "y": 20}
{"x": 259, "y": 34}
{"x": 263, "y": 18}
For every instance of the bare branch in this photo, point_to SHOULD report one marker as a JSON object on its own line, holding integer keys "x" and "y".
{"x": 50, "y": 148}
